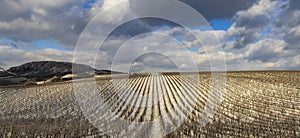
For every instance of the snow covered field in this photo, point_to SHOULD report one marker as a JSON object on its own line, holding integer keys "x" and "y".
{"x": 254, "y": 104}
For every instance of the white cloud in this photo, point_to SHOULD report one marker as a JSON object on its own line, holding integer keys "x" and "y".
{"x": 262, "y": 7}
{"x": 250, "y": 24}
{"x": 32, "y": 20}
{"x": 266, "y": 50}
{"x": 113, "y": 14}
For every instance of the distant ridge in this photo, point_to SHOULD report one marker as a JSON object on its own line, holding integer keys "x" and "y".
{"x": 44, "y": 70}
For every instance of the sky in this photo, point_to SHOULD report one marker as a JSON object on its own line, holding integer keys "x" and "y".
{"x": 252, "y": 34}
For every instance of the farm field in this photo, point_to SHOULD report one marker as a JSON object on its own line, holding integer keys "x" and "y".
{"x": 255, "y": 104}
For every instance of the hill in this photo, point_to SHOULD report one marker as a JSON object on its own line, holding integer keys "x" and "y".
{"x": 44, "y": 70}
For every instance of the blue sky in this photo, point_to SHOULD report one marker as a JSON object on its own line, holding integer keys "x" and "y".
{"x": 36, "y": 44}
{"x": 44, "y": 44}
{"x": 88, "y": 4}
{"x": 221, "y": 24}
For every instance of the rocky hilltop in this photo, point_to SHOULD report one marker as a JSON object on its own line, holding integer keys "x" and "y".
{"x": 45, "y": 70}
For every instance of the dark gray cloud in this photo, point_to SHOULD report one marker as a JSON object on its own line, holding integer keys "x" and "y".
{"x": 215, "y": 9}
{"x": 212, "y": 9}
{"x": 287, "y": 25}
{"x": 294, "y": 5}
{"x": 9, "y": 11}
{"x": 152, "y": 62}
{"x": 293, "y": 37}
{"x": 256, "y": 21}
{"x": 31, "y": 20}
{"x": 244, "y": 38}
{"x": 147, "y": 25}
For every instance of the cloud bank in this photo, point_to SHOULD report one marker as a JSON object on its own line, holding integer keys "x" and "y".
{"x": 264, "y": 35}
